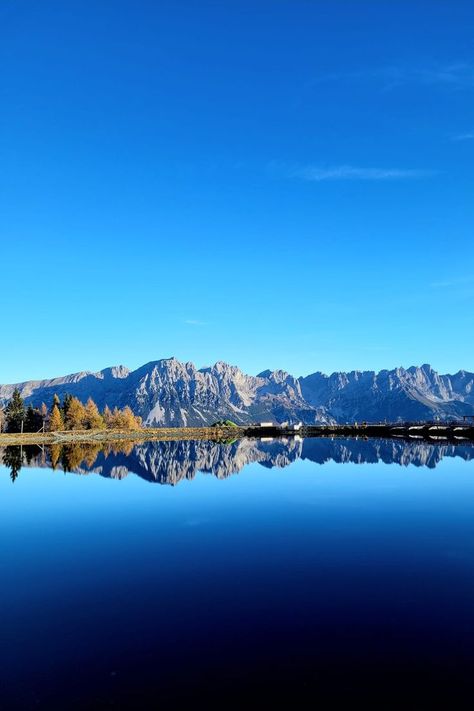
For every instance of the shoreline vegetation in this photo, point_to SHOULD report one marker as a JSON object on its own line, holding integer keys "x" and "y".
{"x": 69, "y": 415}
{"x": 72, "y": 421}
{"x": 225, "y": 432}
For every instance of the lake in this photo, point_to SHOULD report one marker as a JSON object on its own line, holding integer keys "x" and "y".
{"x": 275, "y": 572}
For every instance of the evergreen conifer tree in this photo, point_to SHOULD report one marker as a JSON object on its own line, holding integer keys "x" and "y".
{"x": 33, "y": 419}
{"x": 15, "y": 412}
{"x": 66, "y": 403}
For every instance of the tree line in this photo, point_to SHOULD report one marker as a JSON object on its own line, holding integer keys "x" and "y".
{"x": 70, "y": 414}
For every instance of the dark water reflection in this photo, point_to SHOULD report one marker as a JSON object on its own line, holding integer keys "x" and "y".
{"x": 170, "y": 462}
{"x": 286, "y": 574}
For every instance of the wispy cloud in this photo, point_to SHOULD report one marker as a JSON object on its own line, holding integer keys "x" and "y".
{"x": 463, "y": 136}
{"x": 313, "y": 173}
{"x": 449, "y": 283}
{"x": 458, "y": 75}
{"x": 195, "y": 322}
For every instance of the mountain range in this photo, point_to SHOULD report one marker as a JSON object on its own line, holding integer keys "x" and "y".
{"x": 168, "y": 393}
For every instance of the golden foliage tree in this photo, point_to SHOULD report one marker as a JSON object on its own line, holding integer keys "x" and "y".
{"x": 56, "y": 422}
{"x": 107, "y": 415}
{"x": 115, "y": 419}
{"x": 93, "y": 420}
{"x": 79, "y": 417}
{"x": 122, "y": 419}
{"x": 131, "y": 421}
{"x": 76, "y": 415}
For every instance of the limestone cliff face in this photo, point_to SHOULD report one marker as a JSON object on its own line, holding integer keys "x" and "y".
{"x": 171, "y": 393}
{"x": 412, "y": 394}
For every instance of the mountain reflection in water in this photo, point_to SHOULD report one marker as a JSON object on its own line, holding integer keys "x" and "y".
{"x": 172, "y": 461}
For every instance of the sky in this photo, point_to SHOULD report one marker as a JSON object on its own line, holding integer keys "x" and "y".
{"x": 276, "y": 184}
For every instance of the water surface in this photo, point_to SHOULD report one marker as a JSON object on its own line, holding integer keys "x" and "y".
{"x": 285, "y": 570}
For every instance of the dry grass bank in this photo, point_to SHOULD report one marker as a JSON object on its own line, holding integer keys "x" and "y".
{"x": 152, "y": 433}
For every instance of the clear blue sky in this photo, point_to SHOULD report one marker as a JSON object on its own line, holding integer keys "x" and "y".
{"x": 275, "y": 184}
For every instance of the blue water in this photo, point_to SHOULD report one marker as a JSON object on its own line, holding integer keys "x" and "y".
{"x": 288, "y": 580}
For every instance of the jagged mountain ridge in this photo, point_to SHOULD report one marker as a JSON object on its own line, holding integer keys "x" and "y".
{"x": 169, "y": 392}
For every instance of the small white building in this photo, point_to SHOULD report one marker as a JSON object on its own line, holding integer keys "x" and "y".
{"x": 296, "y": 427}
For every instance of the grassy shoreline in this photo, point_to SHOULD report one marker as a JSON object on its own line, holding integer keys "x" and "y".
{"x": 223, "y": 433}
{"x": 145, "y": 434}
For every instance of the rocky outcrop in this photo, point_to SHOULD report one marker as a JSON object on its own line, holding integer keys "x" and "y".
{"x": 399, "y": 394}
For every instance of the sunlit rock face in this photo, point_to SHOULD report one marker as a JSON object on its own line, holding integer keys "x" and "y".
{"x": 399, "y": 394}
{"x": 171, "y": 393}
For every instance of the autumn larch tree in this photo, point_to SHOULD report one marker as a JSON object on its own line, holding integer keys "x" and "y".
{"x": 131, "y": 421}
{"x": 56, "y": 422}
{"x": 107, "y": 415}
{"x": 56, "y": 401}
{"x": 75, "y": 415}
{"x": 93, "y": 420}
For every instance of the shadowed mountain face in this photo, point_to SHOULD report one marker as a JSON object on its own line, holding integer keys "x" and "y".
{"x": 170, "y": 393}
{"x": 172, "y": 462}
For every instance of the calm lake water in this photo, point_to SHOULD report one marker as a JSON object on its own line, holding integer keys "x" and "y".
{"x": 291, "y": 573}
